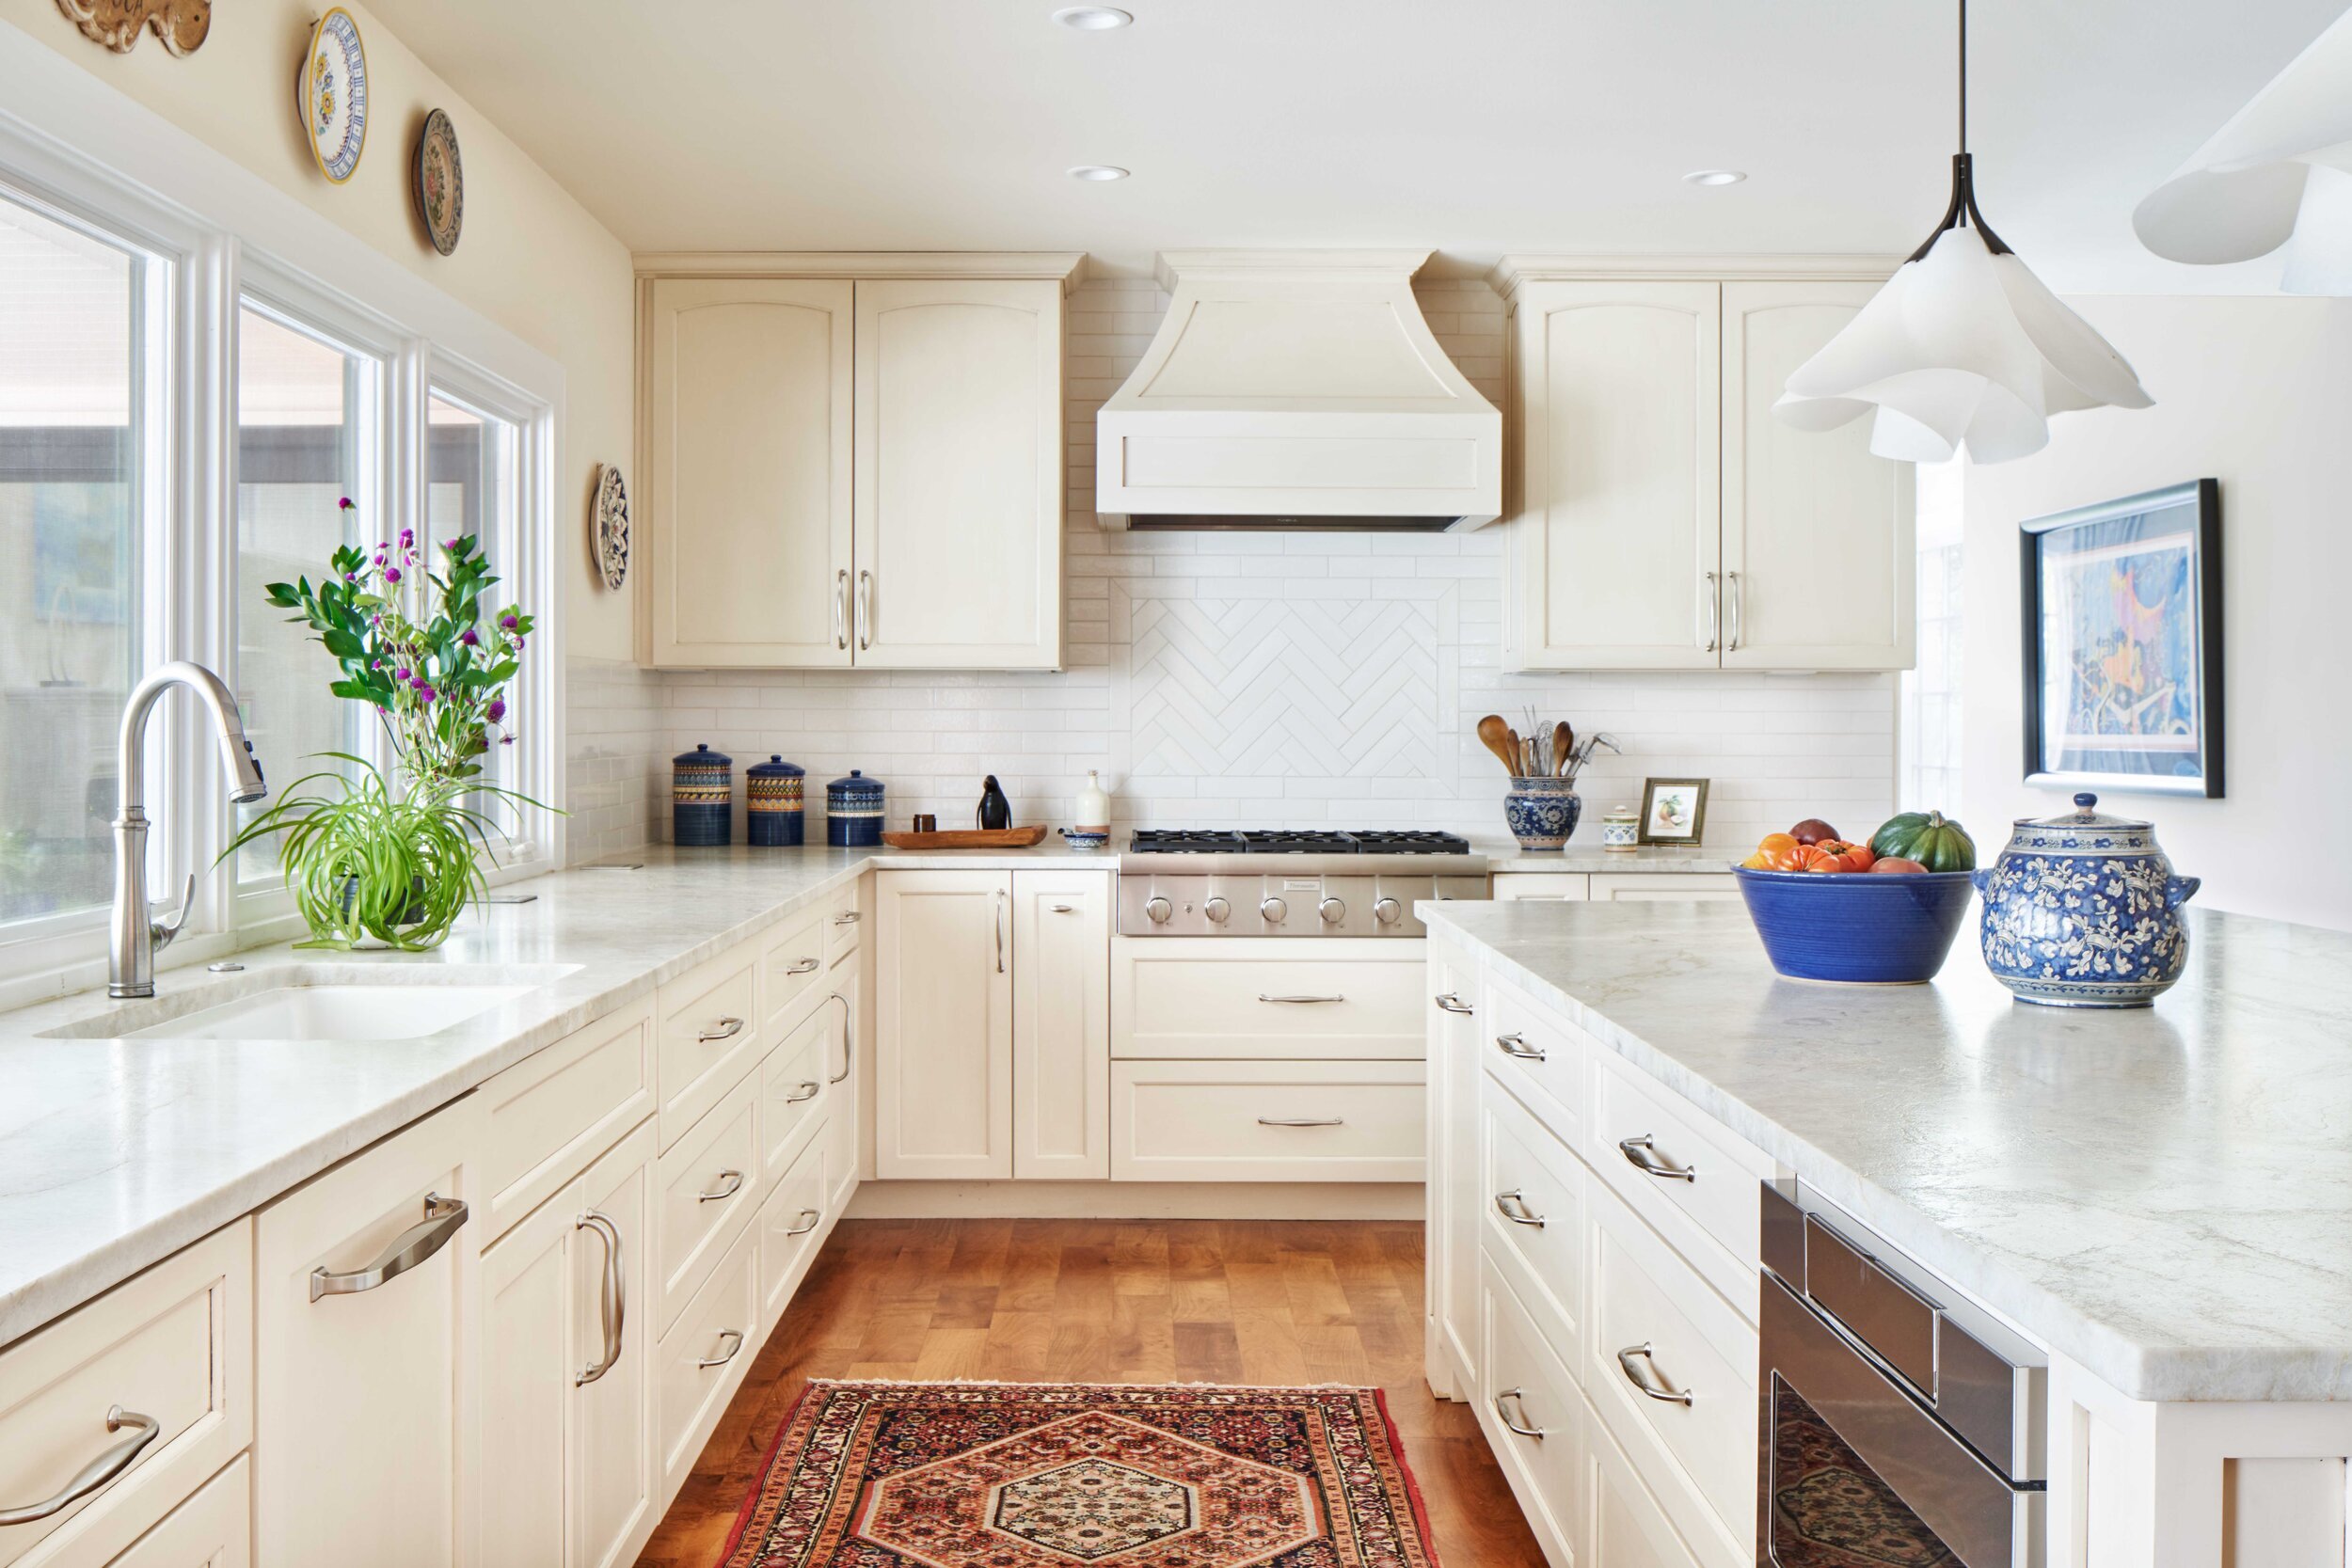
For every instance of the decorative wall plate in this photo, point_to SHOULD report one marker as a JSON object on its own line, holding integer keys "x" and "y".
{"x": 332, "y": 93}
{"x": 440, "y": 181}
{"x": 608, "y": 525}
{"x": 181, "y": 23}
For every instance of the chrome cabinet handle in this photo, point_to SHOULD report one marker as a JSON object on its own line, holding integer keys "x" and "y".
{"x": 1638, "y": 1365}
{"x": 1714, "y": 616}
{"x": 730, "y": 1183}
{"x": 1297, "y": 1000}
{"x": 847, "y": 917}
{"x": 849, "y": 1037}
{"x": 1063, "y": 908}
{"x": 1515, "y": 1044}
{"x": 1453, "y": 1003}
{"x": 444, "y": 1217}
{"x": 1731, "y": 640}
{"x": 1513, "y": 1206}
{"x": 611, "y": 1305}
{"x": 1000, "y": 931}
{"x": 841, "y": 608}
{"x": 95, "y": 1474}
{"x": 865, "y": 610}
{"x": 1643, "y": 1155}
{"x": 726, "y": 1029}
{"x": 1510, "y": 1397}
{"x": 806, "y": 966}
{"x": 808, "y": 1091}
{"x": 1302, "y": 1121}
{"x": 735, "y": 1336}
{"x": 808, "y": 1223}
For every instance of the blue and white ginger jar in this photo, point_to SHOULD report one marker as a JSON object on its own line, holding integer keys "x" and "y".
{"x": 2083, "y": 911}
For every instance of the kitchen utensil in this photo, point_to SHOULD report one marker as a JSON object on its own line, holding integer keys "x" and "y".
{"x": 1518, "y": 765}
{"x": 1495, "y": 735}
{"x": 1563, "y": 746}
{"x": 2083, "y": 911}
{"x": 969, "y": 838}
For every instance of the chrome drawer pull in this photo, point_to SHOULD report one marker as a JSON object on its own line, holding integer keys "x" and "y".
{"x": 735, "y": 1343}
{"x": 726, "y": 1029}
{"x": 1637, "y": 1362}
{"x": 612, "y": 1305}
{"x": 1515, "y": 1397}
{"x": 1302, "y": 1121}
{"x": 730, "y": 1183}
{"x": 1298, "y": 1001}
{"x": 849, "y": 1037}
{"x": 97, "y": 1473}
{"x": 444, "y": 1217}
{"x": 808, "y": 1091}
{"x": 1453, "y": 1004}
{"x": 805, "y": 966}
{"x": 1515, "y": 1044}
{"x": 1513, "y": 1206}
{"x": 1064, "y": 908}
{"x": 847, "y": 917}
{"x": 1642, "y": 1155}
{"x": 808, "y": 1223}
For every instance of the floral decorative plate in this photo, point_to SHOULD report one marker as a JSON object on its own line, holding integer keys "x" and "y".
{"x": 332, "y": 92}
{"x": 440, "y": 179}
{"x": 608, "y": 525}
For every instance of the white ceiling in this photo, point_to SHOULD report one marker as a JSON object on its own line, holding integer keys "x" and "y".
{"x": 1472, "y": 126}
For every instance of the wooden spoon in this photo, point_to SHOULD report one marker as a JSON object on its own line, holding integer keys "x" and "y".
{"x": 1496, "y": 736}
{"x": 1563, "y": 742}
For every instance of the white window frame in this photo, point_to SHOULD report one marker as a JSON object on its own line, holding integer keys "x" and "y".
{"x": 226, "y": 234}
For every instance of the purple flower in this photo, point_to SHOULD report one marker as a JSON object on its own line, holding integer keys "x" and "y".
{"x": 510, "y": 621}
{"x": 400, "y": 673}
{"x": 345, "y": 504}
{"x": 392, "y": 574}
{"x": 450, "y": 545}
{"x": 496, "y": 711}
{"x": 425, "y": 693}
{"x": 351, "y": 576}
{"x": 506, "y": 740}
{"x": 468, "y": 639}
{"x": 408, "y": 537}
{"x": 379, "y": 554}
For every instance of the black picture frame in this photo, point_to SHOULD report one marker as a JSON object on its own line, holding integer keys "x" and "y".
{"x": 2186, "y": 516}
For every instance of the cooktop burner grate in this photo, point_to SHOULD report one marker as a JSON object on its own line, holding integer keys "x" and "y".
{"x": 1297, "y": 841}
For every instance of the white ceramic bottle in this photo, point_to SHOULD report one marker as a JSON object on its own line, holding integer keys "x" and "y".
{"x": 1093, "y": 807}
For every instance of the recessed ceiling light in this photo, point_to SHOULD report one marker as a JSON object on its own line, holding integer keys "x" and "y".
{"x": 1093, "y": 19}
{"x": 1098, "y": 171}
{"x": 1714, "y": 177}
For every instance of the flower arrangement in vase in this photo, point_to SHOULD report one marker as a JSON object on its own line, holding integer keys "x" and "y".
{"x": 392, "y": 860}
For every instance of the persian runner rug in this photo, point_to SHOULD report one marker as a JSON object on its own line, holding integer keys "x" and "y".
{"x": 1027, "y": 1475}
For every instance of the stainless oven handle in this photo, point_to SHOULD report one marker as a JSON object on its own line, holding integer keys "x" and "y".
{"x": 1641, "y": 1370}
{"x": 1513, "y": 1395}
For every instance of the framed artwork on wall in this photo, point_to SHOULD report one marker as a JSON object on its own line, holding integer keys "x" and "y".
{"x": 2123, "y": 643}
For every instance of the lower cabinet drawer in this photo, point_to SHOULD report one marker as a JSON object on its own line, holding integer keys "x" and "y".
{"x": 1535, "y": 1420}
{"x": 703, "y": 1357}
{"x": 553, "y": 1112}
{"x": 790, "y": 1223}
{"x": 1531, "y": 1191}
{"x": 707, "y": 1034}
{"x": 1256, "y": 998}
{"x": 1631, "y": 1530}
{"x": 1267, "y": 1121}
{"x": 710, "y": 1183}
{"x": 1540, "y": 1056}
{"x": 170, "y": 1347}
{"x": 1672, "y": 1370}
{"x": 211, "y": 1529}
{"x": 792, "y": 967}
{"x": 1692, "y": 1178}
{"x": 792, "y": 1091}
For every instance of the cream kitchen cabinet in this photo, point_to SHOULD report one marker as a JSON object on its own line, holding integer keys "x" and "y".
{"x": 854, "y": 461}
{"x": 1454, "y": 1196}
{"x": 1061, "y": 1024}
{"x": 1663, "y": 518}
{"x": 943, "y": 960}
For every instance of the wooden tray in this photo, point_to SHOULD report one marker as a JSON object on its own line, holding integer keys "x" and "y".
{"x": 969, "y": 838}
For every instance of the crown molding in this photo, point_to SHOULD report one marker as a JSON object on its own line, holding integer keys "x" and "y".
{"x": 1066, "y": 267}
{"x": 1512, "y": 271}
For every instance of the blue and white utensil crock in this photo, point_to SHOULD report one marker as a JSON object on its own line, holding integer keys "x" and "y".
{"x": 2083, "y": 911}
{"x": 702, "y": 797}
{"x": 1542, "y": 812}
{"x": 854, "y": 812}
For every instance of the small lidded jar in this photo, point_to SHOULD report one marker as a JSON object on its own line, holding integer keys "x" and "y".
{"x": 772, "y": 815}
{"x": 702, "y": 797}
{"x": 1621, "y": 829}
{"x": 854, "y": 812}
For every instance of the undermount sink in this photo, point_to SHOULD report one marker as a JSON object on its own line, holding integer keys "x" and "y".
{"x": 299, "y": 1005}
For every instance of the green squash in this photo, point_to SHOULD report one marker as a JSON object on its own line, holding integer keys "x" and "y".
{"x": 1928, "y": 838}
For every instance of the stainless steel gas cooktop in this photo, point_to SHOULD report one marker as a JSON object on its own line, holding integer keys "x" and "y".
{"x": 1289, "y": 882}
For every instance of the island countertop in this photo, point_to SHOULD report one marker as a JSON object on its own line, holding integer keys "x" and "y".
{"x": 2163, "y": 1196}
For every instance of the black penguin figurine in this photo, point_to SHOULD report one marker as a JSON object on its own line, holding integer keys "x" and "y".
{"x": 995, "y": 811}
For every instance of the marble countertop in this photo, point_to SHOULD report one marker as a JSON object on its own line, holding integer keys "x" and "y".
{"x": 2163, "y": 1196}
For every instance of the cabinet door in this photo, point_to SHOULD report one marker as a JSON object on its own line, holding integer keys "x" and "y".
{"x": 944, "y": 1047}
{"x": 610, "y": 1481}
{"x": 211, "y": 1529}
{"x": 958, "y": 475}
{"x": 363, "y": 1375}
{"x": 1452, "y": 1349}
{"x": 1804, "y": 507}
{"x": 748, "y": 439}
{"x": 1061, "y": 1022}
{"x": 849, "y": 1078}
{"x": 1653, "y": 887}
{"x": 1615, "y": 554}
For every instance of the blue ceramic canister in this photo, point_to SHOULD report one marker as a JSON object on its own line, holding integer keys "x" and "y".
{"x": 2083, "y": 911}
{"x": 1542, "y": 812}
{"x": 772, "y": 817}
{"x": 702, "y": 797}
{"x": 854, "y": 812}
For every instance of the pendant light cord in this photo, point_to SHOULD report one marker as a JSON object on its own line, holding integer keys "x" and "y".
{"x": 1962, "y": 212}
{"x": 1963, "y": 76}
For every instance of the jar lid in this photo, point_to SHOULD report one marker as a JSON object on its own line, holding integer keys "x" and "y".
{"x": 775, "y": 767}
{"x": 2085, "y": 815}
{"x": 702, "y": 757}
{"x": 856, "y": 784}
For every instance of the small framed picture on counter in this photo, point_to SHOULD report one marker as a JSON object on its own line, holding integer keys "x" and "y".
{"x": 1674, "y": 810}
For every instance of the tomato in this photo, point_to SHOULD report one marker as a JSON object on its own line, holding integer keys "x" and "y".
{"x": 1836, "y": 855}
{"x": 1779, "y": 853}
{"x": 1756, "y": 862}
{"x": 1897, "y": 864}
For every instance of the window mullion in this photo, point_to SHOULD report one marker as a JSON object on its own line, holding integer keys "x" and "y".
{"x": 191, "y": 803}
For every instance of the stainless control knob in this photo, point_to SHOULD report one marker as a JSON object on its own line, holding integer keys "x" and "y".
{"x": 1388, "y": 911}
{"x": 1216, "y": 910}
{"x": 1275, "y": 909}
{"x": 1332, "y": 911}
{"x": 1158, "y": 910}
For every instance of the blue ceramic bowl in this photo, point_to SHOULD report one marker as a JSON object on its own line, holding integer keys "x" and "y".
{"x": 1078, "y": 839}
{"x": 1858, "y": 927}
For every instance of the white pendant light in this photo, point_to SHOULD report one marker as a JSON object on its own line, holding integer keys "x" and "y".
{"x": 1964, "y": 347}
{"x": 2279, "y": 173}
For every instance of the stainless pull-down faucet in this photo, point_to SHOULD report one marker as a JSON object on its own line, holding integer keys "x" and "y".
{"x": 130, "y": 966}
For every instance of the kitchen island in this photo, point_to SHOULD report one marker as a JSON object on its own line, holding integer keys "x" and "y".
{"x": 2161, "y": 1199}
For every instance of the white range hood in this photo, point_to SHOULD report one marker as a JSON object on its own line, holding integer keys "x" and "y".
{"x": 1296, "y": 390}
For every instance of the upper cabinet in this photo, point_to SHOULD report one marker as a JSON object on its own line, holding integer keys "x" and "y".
{"x": 863, "y": 468}
{"x": 1663, "y": 520}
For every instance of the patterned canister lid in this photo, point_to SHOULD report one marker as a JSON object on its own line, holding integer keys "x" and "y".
{"x": 856, "y": 784}
{"x": 702, "y": 757}
{"x": 774, "y": 768}
{"x": 2085, "y": 815}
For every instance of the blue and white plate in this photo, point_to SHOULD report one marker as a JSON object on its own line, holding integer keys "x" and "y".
{"x": 332, "y": 93}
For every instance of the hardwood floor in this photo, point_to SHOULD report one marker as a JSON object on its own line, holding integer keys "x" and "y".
{"x": 1105, "y": 1301}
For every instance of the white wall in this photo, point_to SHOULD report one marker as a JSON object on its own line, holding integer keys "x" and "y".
{"x": 2257, "y": 394}
{"x": 1302, "y": 680}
